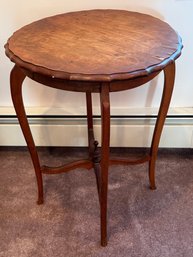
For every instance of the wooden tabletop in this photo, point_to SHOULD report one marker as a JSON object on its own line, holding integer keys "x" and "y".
{"x": 95, "y": 45}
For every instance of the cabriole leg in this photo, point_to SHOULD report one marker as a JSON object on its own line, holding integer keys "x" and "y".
{"x": 16, "y": 79}
{"x": 169, "y": 77}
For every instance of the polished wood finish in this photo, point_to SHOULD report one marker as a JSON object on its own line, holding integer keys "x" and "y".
{"x": 97, "y": 51}
{"x": 97, "y": 45}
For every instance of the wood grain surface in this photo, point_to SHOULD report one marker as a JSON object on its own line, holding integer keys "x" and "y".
{"x": 95, "y": 45}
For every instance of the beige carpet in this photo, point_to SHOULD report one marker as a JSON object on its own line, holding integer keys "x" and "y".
{"x": 142, "y": 222}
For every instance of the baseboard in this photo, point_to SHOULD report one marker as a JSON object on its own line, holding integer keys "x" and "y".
{"x": 132, "y": 130}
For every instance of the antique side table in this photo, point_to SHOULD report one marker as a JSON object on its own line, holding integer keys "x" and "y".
{"x": 96, "y": 51}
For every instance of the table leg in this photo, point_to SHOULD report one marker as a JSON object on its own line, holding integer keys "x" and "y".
{"x": 94, "y": 153}
{"x": 169, "y": 74}
{"x": 90, "y": 123}
{"x": 16, "y": 79}
{"x": 105, "y": 136}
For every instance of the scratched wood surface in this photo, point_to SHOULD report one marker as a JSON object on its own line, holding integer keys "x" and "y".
{"x": 95, "y": 45}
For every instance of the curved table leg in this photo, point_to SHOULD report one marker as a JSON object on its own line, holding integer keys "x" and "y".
{"x": 169, "y": 73}
{"x": 105, "y": 120}
{"x": 16, "y": 79}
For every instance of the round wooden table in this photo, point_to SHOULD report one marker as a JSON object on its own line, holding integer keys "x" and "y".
{"x": 95, "y": 51}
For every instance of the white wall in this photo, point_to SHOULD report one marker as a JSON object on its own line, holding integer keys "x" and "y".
{"x": 178, "y": 13}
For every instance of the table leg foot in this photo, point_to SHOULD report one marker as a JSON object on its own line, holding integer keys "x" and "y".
{"x": 40, "y": 201}
{"x": 152, "y": 187}
{"x": 103, "y": 242}
{"x": 152, "y": 174}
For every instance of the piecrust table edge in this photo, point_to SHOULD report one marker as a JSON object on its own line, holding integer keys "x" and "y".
{"x": 94, "y": 77}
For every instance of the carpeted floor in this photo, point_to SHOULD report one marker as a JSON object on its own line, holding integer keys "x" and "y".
{"x": 142, "y": 222}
